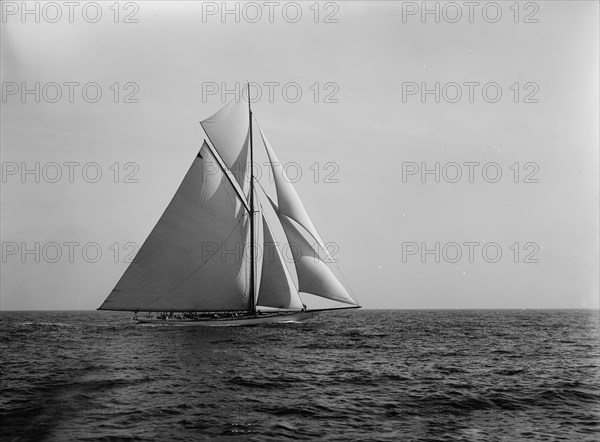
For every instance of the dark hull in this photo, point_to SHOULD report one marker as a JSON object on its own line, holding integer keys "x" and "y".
{"x": 264, "y": 318}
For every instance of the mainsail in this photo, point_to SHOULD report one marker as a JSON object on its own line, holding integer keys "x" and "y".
{"x": 199, "y": 256}
{"x": 185, "y": 264}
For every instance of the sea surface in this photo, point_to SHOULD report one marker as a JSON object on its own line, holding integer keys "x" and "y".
{"x": 385, "y": 375}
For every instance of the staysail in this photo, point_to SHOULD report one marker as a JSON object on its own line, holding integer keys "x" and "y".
{"x": 276, "y": 285}
{"x": 198, "y": 255}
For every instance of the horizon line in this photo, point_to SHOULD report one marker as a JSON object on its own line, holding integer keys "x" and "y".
{"x": 362, "y": 308}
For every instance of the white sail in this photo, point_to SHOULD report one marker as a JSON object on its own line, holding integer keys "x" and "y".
{"x": 314, "y": 276}
{"x": 276, "y": 285}
{"x": 228, "y": 131}
{"x": 197, "y": 257}
{"x": 288, "y": 201}
{"x": 192, "y": 260}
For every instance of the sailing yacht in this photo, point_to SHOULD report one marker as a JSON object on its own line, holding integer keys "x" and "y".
{"x": 212, "y": 259}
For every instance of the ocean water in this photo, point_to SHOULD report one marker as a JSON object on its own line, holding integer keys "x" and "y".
{"x": 386, "y": 375}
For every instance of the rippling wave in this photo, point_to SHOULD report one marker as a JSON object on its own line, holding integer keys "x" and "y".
{"x": 360, "y": 375}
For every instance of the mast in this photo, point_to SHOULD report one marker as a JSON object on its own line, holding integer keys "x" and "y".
{"x": 252, "y": 276}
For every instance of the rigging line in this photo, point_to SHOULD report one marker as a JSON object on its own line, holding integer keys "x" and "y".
{"x": 225, "y": 169}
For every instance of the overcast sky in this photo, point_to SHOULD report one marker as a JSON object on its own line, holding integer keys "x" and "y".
{"x": 360, "y": 133}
